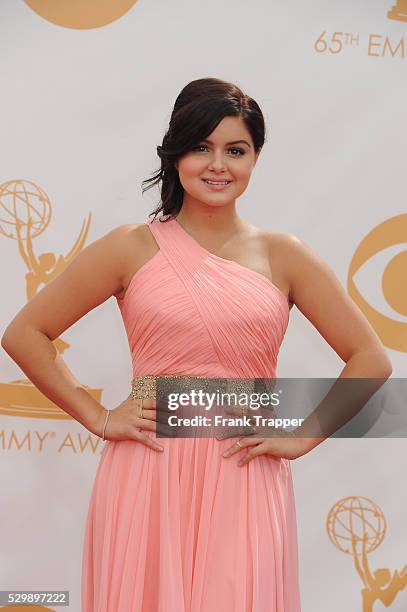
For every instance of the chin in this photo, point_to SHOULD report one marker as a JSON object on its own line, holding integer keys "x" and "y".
{"x": 212, "y": 203}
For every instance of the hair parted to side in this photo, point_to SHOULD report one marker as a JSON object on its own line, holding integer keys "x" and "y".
{"x": 198, "y": 109}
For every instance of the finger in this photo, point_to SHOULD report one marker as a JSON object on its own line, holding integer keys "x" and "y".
{"x": 164, "y": 430}
{"x": 151, "y": 409}
{"x": 150, "y": 415}
{"x": 251, "y": 454}
{"x": 242, "y": 444}
{"x": 161, "y": 405}
{"x": 144, "y": 408}
{"x": 145, "y": 439}
{"x": 145, "y": 402}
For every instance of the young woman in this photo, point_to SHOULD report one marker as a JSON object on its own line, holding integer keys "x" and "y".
{"x": 174, "y": 525}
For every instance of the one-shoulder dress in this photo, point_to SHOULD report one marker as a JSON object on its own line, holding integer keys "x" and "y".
{"x": 185, "y": 529}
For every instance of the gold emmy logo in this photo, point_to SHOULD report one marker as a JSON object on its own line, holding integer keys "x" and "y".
{"x": 357, "y": 526}
{"x": 28, "y": 211}
{"x": 81, "y": 14}
{"x": 393, "y": 333}
{"x": 399, "y": 11}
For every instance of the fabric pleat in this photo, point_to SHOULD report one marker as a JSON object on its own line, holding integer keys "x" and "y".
{"x": 187, "y": 530}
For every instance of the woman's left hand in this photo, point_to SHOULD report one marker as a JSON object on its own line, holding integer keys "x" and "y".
{"x": 284, "y": 445}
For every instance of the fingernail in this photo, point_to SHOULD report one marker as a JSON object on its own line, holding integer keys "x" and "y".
{"x": 226, "y": 454}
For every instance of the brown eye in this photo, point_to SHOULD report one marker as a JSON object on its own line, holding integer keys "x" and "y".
{"x": 240, "y": 151}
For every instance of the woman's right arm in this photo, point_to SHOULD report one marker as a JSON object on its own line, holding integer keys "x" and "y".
{"x": 93, "y": 276}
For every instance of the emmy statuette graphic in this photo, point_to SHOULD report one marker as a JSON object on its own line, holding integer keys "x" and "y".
{"x": 357, "y": 526}
{"x": 26, "y": 212}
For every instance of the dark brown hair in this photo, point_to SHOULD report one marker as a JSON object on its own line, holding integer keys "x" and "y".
{"x": 198, "y": 109}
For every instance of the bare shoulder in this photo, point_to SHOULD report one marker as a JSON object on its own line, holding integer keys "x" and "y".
{"x": 122, "y": 243}
{"x": 282, "y": 240}
{"x": 293, "y": 256}
{"x": 126, "y": 237}
{"x": 137, "y": 246}
{"x": 284, "y": 252}
{"x": 296, "y": 254}
{"x": 288, "y": 247}
{"x": 318, "y": 293}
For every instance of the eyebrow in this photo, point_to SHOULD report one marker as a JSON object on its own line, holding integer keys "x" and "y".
{"x": 228, "y": 143}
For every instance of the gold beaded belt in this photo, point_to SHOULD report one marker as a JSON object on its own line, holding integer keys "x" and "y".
{"x": 145, "y": 387}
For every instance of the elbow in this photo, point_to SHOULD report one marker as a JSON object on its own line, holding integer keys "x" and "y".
{"x": 10, "y": 338}
{"x": 389, "y": 370}
{"x": 385, "y": 366}
{"x": 6, "y": 341}
{"x": 373, "y": 363}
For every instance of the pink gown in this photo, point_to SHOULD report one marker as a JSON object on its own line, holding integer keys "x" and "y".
{"x": 185, "y": 529}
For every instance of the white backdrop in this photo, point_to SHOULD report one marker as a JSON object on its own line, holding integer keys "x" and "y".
{"x": 87, "y": 91}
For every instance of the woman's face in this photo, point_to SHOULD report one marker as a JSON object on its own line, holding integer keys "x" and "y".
{"x": 217, "y": 159}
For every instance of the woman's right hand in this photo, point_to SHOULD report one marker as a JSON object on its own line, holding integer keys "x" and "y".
{"x": 125, "y": 423}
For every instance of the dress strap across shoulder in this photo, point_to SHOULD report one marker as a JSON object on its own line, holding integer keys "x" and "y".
{"x": 184, "y": 255}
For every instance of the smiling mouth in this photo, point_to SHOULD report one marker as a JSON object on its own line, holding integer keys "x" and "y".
{"x": 209, "y": 182}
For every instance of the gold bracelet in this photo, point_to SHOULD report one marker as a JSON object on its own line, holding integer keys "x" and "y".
{"x": 106, "y": 419}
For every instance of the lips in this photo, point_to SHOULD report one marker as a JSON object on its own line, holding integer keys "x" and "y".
{"x": 214, "y": 182}
{"x": 218, "y": 186}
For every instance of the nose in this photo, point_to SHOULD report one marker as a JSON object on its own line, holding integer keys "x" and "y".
{"x": 217, "y": 162}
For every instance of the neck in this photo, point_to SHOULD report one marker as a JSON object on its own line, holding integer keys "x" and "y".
{"x": 210, "y": 221}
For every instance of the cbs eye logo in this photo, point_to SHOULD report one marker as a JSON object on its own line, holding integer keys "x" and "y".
{"x": 386, "y": 248}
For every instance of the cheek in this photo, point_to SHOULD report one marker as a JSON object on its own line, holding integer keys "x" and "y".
{"x": 190, "y": 167}
{"x": 242, "y": 172}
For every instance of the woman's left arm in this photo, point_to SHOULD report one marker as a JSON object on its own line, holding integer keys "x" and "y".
{"x": 318, "y": 294}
